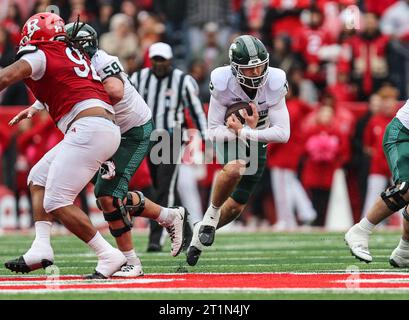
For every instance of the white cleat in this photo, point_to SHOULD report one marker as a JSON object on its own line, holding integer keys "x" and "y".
{"x": 357, "y": 241}
{"x": 129, "y": 271}
{"x": 176, "y": 230}
{"x": 109, "y": 263}
{"x": 399, "y": 258}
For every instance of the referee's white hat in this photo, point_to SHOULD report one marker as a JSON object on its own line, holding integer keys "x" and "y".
{"x": 160, "y": 49}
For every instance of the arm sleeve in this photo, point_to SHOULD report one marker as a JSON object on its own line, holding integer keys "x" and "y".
{"x": 217, "y": 130}
{"x": 279, "y": 130}
{"x": 37, "y": 62}
{"x": 195, "y": 105}
{"x": 38, "y": 105}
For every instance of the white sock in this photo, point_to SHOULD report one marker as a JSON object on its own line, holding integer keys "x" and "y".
{"x": 403, "y": 244}
{"x": 165, "y": 217}
{"x": 99, "y": 244}
{"x": 366, "y": 226}
{"x": 131, "y": 257}
{"x": 41, "y": 246}
{"x": 211, "y": 216}
{"x": 43, "y": 232}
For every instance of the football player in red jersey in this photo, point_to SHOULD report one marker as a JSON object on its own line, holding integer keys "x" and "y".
{"x": 63, "y": 80}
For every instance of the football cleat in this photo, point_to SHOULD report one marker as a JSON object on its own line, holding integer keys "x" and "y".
{"x": 176, "y": 230}
{"x": 206, "y": 235}
{"x": 357, "y": 241}
{"x": 192, "y": 255}
{"x": 129, "y": 271}
{"x": 20, "y": 265}
{"x": 399, "y": 258}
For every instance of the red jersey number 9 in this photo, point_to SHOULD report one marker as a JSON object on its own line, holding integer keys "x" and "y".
{"x": 81, "y": 72}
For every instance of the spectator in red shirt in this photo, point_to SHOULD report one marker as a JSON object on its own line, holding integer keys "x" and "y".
{"x": 283, "y": 161}
{"x": 325, "y": 152}
{"x": 343, "y": 89}
{"x": 368, "y": 57}
{"x": 379, "y": 173}
{"x": 284, "y": 17}
{"x": 308, "y": 44}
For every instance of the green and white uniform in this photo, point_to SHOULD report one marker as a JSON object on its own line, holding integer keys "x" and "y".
{"x": 396, "y": 145}
{"x": 134, "y": 118}
{"x": 273, "y": 125}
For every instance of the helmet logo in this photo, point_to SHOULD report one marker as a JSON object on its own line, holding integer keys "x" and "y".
{"x": 32, "y": 27}
{"x": 58, "y": 28}
{"x": 255, "y": 61}
{"x": 232, "y": 47}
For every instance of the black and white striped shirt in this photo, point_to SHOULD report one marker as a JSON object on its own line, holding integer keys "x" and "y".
{"x": 168, "y": 97}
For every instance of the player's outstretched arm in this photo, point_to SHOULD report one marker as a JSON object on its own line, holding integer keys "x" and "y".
{"x": 115, "y": 88}
{"x": 15, "y": 72}
{"x": 27, "y": 113}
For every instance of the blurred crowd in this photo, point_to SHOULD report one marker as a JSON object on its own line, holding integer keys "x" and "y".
{"x": 346, "y": 62}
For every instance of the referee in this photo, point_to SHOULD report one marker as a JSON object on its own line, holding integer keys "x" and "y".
{"x": 168, "y": 92}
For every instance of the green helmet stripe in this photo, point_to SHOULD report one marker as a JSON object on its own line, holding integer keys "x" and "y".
{"x": 251, "y": 48}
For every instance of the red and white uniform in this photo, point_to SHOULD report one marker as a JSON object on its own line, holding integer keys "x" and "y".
{"x": 58, "y": 68}
{"x": 66, "y": 84}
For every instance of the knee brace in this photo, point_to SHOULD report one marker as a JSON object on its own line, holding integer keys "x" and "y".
{"x": 395, "y": 193}
{"x": 120, "y": 214}
{"x": 135, "y": 210}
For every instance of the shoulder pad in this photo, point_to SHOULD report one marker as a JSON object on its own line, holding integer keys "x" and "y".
{"x": 219, "y": 79}
{"x": 25, "y": 49}
{"x": 106, "y": 65}
{"x": 276, "y": 79}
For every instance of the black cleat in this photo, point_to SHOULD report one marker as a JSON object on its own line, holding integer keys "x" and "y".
{"x": 95, "y": 276}
{"x": 192, "y": 255}
{"x": 206, "y": 235}
{"x": 19, "y": 265}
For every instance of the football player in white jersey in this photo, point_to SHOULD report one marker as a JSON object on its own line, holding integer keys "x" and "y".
{"x": 250, "y": 79}
{"x": 134, "y": 118}
{"x": 395, "y": 198}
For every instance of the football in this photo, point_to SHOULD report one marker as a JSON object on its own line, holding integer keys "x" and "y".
{"x": 238, "y": 108}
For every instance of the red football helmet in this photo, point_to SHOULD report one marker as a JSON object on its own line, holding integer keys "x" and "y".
{"x": 43, "y": 26}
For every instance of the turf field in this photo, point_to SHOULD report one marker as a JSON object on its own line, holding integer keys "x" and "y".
{"x": 245, "y": 265}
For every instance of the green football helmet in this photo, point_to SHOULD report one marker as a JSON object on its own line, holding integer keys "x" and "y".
{"x": 84, "y": 35}
{"x": 248, "y": 52}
